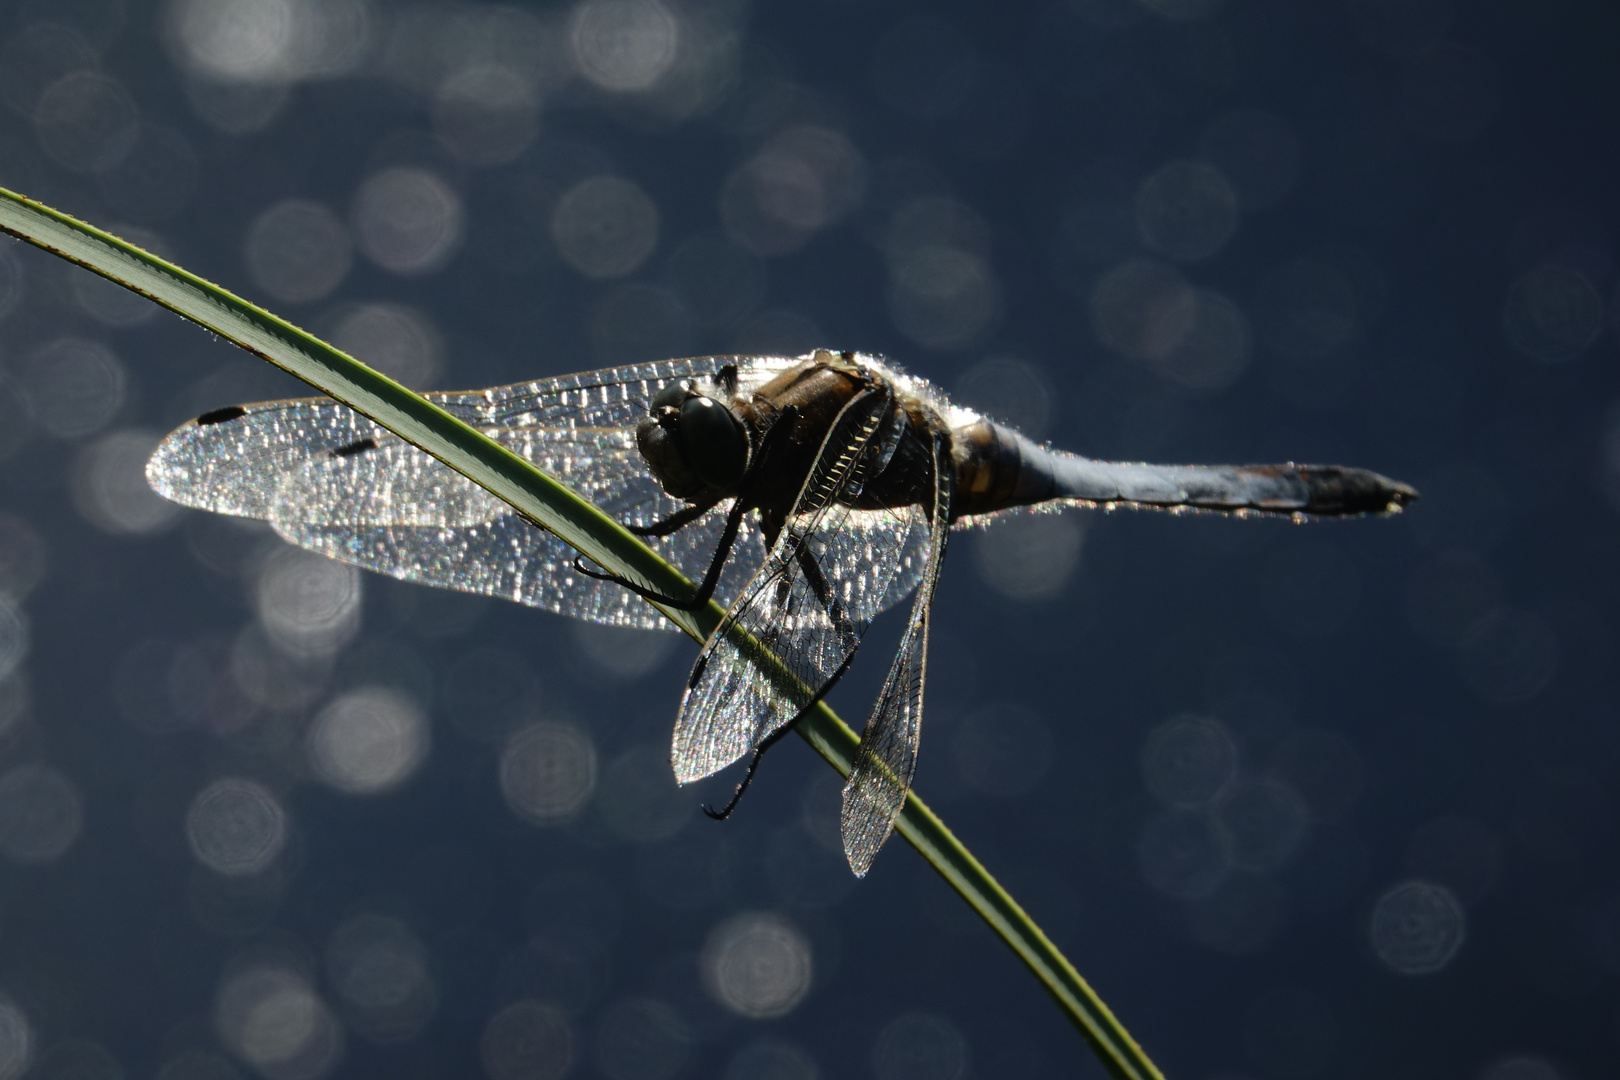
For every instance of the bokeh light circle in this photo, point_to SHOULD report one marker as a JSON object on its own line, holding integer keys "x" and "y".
{"x": 1215, "y": 350}
{"x": 772, "y": 1059}
{"x": 943, "y": 298}
{"x": 487, "y": 114}
{"x": 16, "y": 1041}
{"x": 919, "y": 1046}
{"x": 1010, "y": 390}
{"x": 398, "y": 341}
{"x": 1509, "y": 656}
{"x": 236, "y": 827}
{"x": 624, "y": 44}
{"x": 380, "y": 971}
{"x": 1417, "y": 927}
{"x": 87, "y": 122}
{"x": 14, "y": 636}
{"x": 1003, "y": 749}
{"x": 1521, "y": 1067}
{"x": 1264, "y": 822}
{"x": 624, "y": 652}
{"x": 1143, "y": 309}
{"x": 641, "y": 1039}
{"x": 1187, "y": 760}
{"x": 758, "y": 965}
{"x": 271, "y": 1018}
{"x": 548, "y": 771}
{"x": 298, "y": 251}
{"x": 802, "y": 180}
{"x": 640, "y": 800}
{"x": 1187, "y": 210}
{"x": 528, "y": 1040}
{"x": 309, "y": 605}
{"x": 41, "y": 814}
{"x": 73, "y": 387}
{"x": 234, "y": 39}
{"x": 1029, "y": 558}
{"x": 1184, "y": 854}
{"x": 368, "y": 741}
{"x": 1553, "y": 313}
{"x": 604, "y": 227}
{"x": 408, "y": 220}
{"x": 110, "y": 488}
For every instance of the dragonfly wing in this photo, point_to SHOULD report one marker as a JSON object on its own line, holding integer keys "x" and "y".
{"x": 511, "y": 559}
{"x": 887, "y": 759}
{"x": 610, "y": 397}
{"x": 874, "y": 528}
{"x": 232, "y": 461}
{"x": 395, "y": 510}
{"x": 799, "y": 620}
{"x": 380, "y": 481}
{"x": 387, "y": 481}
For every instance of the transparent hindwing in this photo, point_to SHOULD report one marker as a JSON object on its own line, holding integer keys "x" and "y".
{"x": 887, "y": 760}
{"x": 801, "y": 617}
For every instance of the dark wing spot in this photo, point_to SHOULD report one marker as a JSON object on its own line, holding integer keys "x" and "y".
{"x": 219, "y": 416}
{"x": 358, "y": 447}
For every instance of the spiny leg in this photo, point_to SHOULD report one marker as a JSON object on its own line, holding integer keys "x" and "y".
{"x": 771, "y": 740}
{"x": 711, "y": 579}
{"x": 677, "y": 521}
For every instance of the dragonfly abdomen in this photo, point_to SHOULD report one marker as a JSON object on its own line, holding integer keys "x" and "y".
{"x": 997, "y": 468}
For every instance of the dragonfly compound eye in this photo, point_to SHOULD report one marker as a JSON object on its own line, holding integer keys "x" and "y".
{"x": 670, "y": 397}
{"x": 714, "y": 443}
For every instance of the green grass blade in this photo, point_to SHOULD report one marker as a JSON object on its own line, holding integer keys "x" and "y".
{"x": 553, "y": 506}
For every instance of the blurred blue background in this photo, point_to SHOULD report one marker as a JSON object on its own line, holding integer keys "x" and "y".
{"x": 1329, "y": 802}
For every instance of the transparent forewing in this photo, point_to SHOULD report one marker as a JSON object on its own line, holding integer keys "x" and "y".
{"x": 513, "y": 560}
{"x": 610, "y": 397}
{"x": 234, "y": 464}
{"x": 829, "y": 572}
{"x": 887, "y": 759}
{"x": 388, "y": 482}
{"x": 391, "y": 482}
{"x": 395, "y": 510}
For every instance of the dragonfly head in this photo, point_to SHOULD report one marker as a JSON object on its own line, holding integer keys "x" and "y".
{"x": 694, "y": 444}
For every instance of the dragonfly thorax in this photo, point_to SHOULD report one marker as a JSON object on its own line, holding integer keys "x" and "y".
{"x": 696, "y": 447}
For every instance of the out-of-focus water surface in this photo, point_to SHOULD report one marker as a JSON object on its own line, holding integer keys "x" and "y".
{"x": 1304, "y": 803}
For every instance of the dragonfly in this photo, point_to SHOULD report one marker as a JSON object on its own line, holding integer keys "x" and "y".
{"x": 807, "y": 494}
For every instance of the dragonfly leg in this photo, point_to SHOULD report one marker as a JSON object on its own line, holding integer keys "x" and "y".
{"x": 748, "y": 777}
{"x": 710, "y": 581}
{"x": 677, "y": 521}
{"x": 771, "y": 740}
